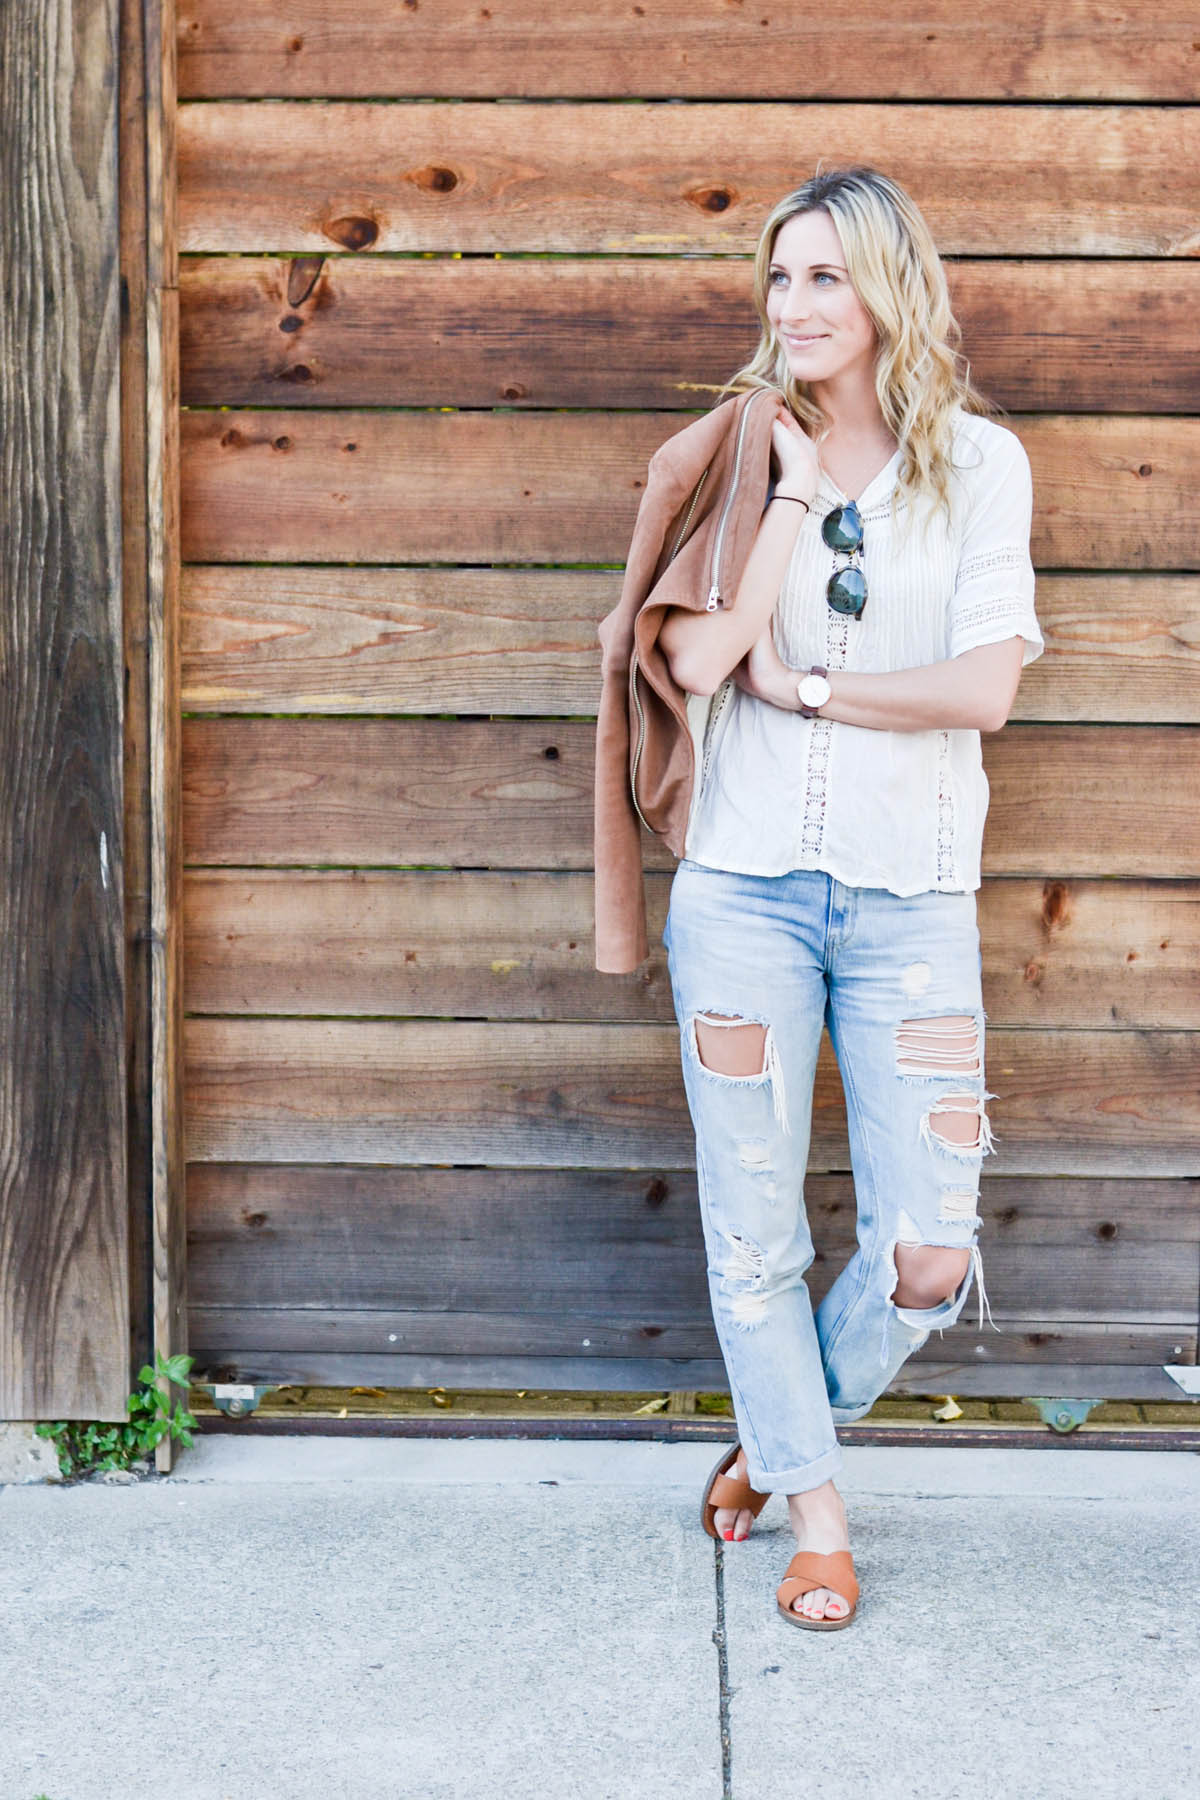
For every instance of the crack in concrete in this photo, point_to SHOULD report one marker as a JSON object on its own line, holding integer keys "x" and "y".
{"x": 723, "y": 1691}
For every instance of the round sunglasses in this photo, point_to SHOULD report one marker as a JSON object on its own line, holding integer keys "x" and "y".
{"x": 842, "y": 530}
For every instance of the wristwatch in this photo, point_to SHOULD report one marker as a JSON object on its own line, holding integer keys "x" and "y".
{"x": 813, "y": 690}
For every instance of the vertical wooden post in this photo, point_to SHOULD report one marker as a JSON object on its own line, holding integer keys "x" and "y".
{"x": 150, "y": 435}
{"x": 64, "y": 1279}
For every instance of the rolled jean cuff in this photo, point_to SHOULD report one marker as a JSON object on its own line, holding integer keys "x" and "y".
{"x": 795, "y": 1480}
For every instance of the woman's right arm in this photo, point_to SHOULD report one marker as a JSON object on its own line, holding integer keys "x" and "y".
{"x": 703, "y": 648}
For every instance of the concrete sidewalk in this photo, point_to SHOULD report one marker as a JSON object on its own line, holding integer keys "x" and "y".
{"x": 399, "y": 1619}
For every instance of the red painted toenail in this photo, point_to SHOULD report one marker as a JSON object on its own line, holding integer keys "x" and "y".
{"x": 729, "y": 1537}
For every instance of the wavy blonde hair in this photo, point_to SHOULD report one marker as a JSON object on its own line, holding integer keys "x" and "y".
{"x": 921, "y": 374}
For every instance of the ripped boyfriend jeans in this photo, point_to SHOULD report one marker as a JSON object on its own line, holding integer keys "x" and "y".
{"x": 792, "y": 953}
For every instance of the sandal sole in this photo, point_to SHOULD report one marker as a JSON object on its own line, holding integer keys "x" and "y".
{"x": 794, "y": 1618}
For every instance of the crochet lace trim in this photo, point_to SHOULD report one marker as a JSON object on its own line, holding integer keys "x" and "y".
{"x": 812, "y": 835}
{"x": 1010, "y": 556}
{"x": 714, "y": 713}
{"x": 946, "y": 873}
{"x": 988, "y": 611}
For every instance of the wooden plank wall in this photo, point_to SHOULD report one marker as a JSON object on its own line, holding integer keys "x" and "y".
{"x": 64, "y": 1244}
{"x": 441, "y": 296}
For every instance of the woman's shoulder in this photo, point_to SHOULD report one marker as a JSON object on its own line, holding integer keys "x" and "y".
{"x": 981, "y": 443}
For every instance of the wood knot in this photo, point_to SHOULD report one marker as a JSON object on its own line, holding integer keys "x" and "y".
{"x": 1033, "y": 973}
{"x": 231, "y": 439}
{"x": 354, "y": 232}
{"x": 283, "y": 443}
{"x": 1107, "y": 1231}
{"x": 293, "y": 322}
{"x": 650, "y": 1331}
{"x": 298, "y": 372}
{"x": 1056, "y": 909}
{"x": 303, "y": 274}
{"x": 656, "y": 1192}
{"x": 712, "y": 199}
{"x": 436, "y": 180}
{"x": 514, "y": 390}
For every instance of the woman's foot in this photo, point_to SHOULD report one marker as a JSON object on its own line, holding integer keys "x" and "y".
{"x": 733, "y": 1525}
{"x": 819, "y": 1521}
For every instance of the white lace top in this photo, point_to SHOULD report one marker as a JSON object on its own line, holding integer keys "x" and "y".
{"x": 902, "y": 810}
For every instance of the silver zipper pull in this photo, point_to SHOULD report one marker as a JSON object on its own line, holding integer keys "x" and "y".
{"x": 714, "y": 598}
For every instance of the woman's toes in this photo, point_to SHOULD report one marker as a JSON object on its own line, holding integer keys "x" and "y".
{"x": 821, "y": 1603}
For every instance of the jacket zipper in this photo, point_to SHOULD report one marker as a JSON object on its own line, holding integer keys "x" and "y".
{"x": 641, "y": 738}
{"x": 688, "y": 518}
{"x": 714, "y": 590}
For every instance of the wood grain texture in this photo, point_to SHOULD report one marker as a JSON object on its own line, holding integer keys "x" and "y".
{"x": 168, "y": 1197}
{"x": 304, "y": 1332}
{"x": 1087, "y": 1366}
{"x": 132, "y": 228}
{"x": 520, "y": 642}
{"x": 64, "y": 1275}
{"x": 1112, "y": 492}
{"x": 607, "y": 1096}
{"x": 690, "y": 48}
{"x": 644, "y": 332}
{"x": 518, "y": 794}
{"x": 415, "y": 943}
{"x": 618, "y": 1257}
{"x": 663, "y": 178}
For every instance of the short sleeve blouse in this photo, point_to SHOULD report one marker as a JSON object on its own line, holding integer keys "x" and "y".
{"x": 902, "y": 810}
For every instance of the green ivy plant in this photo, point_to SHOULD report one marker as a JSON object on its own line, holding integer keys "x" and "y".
{"x": 87, "y": 1445}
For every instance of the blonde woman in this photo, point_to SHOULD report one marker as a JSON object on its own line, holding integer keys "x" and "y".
{"x": 881, "y": 623}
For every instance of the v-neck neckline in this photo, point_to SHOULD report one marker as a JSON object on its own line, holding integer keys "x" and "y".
{"x": 875, "y": 479}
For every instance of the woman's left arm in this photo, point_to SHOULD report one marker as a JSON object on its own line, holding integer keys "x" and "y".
{"x": 974, "y": 690}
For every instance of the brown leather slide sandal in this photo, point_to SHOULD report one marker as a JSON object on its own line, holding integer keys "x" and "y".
{"x": 726, "y": 1490}
{"x": 808, "y": 1569}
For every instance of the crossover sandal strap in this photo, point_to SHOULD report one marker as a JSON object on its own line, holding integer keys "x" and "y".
{"x": 808, "y": 1569}
{"x": 727, "y": 1490}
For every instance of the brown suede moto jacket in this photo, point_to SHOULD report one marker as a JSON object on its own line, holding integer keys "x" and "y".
{"x": 699, "y": 515}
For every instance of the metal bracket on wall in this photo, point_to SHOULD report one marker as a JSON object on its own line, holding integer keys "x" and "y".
{"x": 236, "y": 1399}
{"x": 1064, "y": 1415}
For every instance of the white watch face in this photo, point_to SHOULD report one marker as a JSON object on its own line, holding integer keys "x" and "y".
{"x": 814, "y": 690}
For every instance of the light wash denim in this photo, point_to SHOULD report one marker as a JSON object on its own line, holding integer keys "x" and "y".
{"x": 794, "y": 952}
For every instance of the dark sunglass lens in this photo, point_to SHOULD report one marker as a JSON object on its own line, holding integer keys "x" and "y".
{"x": 842, "y": 528}
{"x": 847, "y": 592}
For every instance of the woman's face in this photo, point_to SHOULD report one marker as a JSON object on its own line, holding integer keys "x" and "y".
{"x": 823, "y": 325}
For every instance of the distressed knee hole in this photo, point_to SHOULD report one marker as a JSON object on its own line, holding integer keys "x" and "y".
{"x": 731, "y": 1046}
{"x": 927, "y": 1275}
{"x": 939, "y": 1046}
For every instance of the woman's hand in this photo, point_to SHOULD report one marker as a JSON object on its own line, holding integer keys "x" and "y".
{"x": 796, "y": 455}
